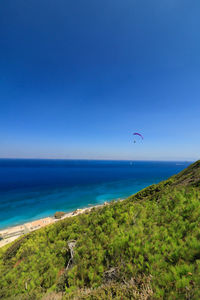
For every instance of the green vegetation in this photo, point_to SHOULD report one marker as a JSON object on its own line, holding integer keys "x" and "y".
{"x": 145, "y": 247}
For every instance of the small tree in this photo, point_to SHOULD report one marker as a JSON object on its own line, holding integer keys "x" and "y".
{"x": 59, "y": 214}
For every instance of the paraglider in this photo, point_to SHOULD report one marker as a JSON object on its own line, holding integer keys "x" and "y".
{"x": 138, "y": 134}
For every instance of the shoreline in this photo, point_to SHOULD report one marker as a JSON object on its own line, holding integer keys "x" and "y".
{"x": 8, "y": 235}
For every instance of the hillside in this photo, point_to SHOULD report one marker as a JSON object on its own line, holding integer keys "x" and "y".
{"x": 145, "y": 247}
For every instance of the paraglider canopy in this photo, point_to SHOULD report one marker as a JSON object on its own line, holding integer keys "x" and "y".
{"x": 137, "y": 133}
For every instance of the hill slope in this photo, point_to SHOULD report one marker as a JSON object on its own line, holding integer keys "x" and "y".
{"x": 145, "y": 247}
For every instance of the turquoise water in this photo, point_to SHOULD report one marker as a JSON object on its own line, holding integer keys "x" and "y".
{"x": 32, "y": 189}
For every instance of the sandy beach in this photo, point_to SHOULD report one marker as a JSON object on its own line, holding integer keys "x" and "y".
{"x": 10, "y": 234}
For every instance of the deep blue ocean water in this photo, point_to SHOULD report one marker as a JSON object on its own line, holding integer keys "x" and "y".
{"x": 32, "y": 189}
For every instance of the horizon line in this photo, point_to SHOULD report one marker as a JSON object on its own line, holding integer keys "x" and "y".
{"x": 98, "y": 159}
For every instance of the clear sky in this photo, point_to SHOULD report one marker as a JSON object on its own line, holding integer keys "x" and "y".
{"x": 78, "y": 77}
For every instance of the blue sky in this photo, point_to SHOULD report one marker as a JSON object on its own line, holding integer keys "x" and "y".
{"x": 77, "y": 78}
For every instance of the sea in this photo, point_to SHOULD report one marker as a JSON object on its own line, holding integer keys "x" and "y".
{"x": 35, "y": 188}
